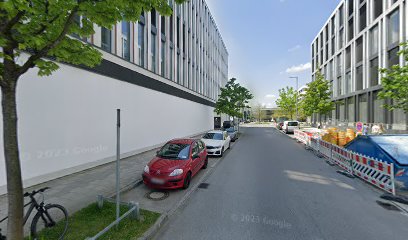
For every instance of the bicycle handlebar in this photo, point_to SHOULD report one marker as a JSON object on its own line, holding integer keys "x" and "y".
{"x": 35, "y": 192}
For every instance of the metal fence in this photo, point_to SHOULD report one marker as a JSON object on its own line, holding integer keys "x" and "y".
{"x": 374, "y": 171}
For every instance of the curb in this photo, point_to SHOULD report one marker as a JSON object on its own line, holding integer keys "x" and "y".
{"x": 152, "y": 231}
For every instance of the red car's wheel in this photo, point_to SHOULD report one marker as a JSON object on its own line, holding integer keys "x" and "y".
{"x": 187, "y": 180}
{"x": 205, "y": 163}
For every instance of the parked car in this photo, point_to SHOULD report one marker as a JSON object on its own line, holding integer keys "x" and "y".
{"x": 227, "y": 124}
{"x": 175, "y": 164}
{"x": 216, "y": 142}
{"x": 290, "y": 126}
{"x": 279, "y": 125}
{"x": 232, "y": 133}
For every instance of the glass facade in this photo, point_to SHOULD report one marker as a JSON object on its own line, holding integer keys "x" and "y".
{"x": 153, "y": 42}
{"x": 372, "y": 31}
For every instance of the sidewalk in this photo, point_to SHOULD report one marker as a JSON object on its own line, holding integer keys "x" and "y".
{"x": 77, "y": 191}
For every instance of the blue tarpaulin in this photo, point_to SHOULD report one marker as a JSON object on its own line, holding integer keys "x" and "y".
{"x": 388, "y": 148}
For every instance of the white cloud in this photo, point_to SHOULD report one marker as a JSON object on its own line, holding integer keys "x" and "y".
{"x": 299, "y": 68}
{"x": 295, "y": 48}
{"x": 270, "y": 96}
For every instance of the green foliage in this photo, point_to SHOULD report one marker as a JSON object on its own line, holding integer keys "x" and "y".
{"x": 395, "y": 83}
{"x": 287, "y": 101}
{"x": 318, "y": 97}
{"x": 88, "y": 221}
{"x": 233, "y": 99}
{"x": 45, "y": 29}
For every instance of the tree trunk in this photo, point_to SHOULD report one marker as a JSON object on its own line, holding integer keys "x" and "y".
{"x": 11, "y": 155}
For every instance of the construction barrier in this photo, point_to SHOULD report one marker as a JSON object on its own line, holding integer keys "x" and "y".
{"x": 314, "y": 144}
{"x": 302, "y": 137}
{"x": 325, "y": 149}
{"x": 342, "y": 158}
{"x": 373, "y": 171}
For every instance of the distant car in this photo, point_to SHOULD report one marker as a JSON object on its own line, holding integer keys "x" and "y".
{"x": 247, "y": 121}
{"x": 175, "y": 164}
{"x": 290, "y": 126}
{"x": 232, "y": 133}
{"x": 216, "y": 142}
{"x": 227, "y": 124}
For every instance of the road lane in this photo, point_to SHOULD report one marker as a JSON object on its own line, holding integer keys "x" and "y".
{"x": 270, "y": 187}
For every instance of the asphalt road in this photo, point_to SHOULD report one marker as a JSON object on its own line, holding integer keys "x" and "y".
{"x": 270, "y": 187}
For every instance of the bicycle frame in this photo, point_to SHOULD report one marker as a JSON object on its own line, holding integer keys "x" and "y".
{"x": 33, "y": 205}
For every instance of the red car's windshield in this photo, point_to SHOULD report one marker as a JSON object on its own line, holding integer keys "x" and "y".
{"x": 177, "y": 151}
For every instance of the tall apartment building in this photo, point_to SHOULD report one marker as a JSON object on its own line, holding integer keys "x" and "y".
{"x": 164, "y": 73}
{"x": 360, "y": 37}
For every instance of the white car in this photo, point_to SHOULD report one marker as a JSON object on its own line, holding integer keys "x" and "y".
{"x": 290, "y": 126}
{"x": 216, "y": 142}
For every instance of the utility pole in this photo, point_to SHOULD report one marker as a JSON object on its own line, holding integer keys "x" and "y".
{"x": 297, "y": 91}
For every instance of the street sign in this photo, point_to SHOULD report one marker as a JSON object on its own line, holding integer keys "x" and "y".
{"x": 359, "y": 126}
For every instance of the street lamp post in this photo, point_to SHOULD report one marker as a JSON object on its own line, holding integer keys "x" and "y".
{"x": 297, "y": 89}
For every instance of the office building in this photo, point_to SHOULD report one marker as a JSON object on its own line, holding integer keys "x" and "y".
{"x": 164, "y": 73}
{"x": 359, "y": 38}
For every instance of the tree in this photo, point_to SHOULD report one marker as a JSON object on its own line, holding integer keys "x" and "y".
{"x": 395, "y": 83}
{"x": 233, "y": 99}
{"x": 31, "y": 33}
{"x": 317, "y": 99}
{"x": 287, "y": 101}
{"x": 258, "y": 112}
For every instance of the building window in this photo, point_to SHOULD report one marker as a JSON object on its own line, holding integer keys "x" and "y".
{"x": 171, "y": 64}
{"x": 351, "y": 29}
{"x": 171, "y": 27}
{"x": 350, "y": 7}
{"x": 163, "y": 25}
{"x": 378, "y": 8}
{"x": 393, "y": 28}
{"x": 140, "y": 44}
{"x": 153, "y": 51}
{"x": 163, "y": 59}
{"x": 184, "y": 38}
{"x": 374, "y": 72}
{"x": 348, "y": 58}
{"x": 153, "y": 17}
{"x": 359, "y": 50}
{"x": 363, "y": 17}
{"x": 398, "y": 119}
{"x": 359, "y": 77}
{"x": 374, "y": 41}
{"x": 333, "y": 46}
{"x": 178, "y": 69}
{"x": 350, "y": 109}
{"x": 348, "y": 82}
{"x": 178, "y": 32}
{"x": 126, "y": 40}
{"x": 362, "y": 108}
{"x": 341, "y": 38}
{"x": 106, "y": 39}
{"x": 393, "y": 57}
{"x": 378, "y": 111}
{"x": 341, "y": 16}
{"x": 339, "y": 86}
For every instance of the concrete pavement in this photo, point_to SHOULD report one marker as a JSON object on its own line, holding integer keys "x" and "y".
{"x": 269, "y": 187}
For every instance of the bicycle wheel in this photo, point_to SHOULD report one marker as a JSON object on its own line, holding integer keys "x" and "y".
{"x": 51, "y": 224}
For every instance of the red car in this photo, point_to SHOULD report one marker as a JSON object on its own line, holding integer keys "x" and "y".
{"x": 175, "y": 164}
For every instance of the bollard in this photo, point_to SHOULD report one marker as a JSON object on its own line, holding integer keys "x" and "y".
{"x": 100, "y": 201}
{"x": 136, "y": 213}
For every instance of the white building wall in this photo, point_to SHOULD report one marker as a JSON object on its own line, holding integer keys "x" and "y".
{"x": 67, "y": 122}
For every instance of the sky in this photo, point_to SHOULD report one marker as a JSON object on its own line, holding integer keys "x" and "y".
{"x": 269, "y": 41}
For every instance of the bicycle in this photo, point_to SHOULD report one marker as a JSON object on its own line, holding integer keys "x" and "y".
{"x": 46, "y": 217}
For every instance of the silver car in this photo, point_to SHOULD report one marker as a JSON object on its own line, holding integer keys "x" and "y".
{"x": 232, "y": 133}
